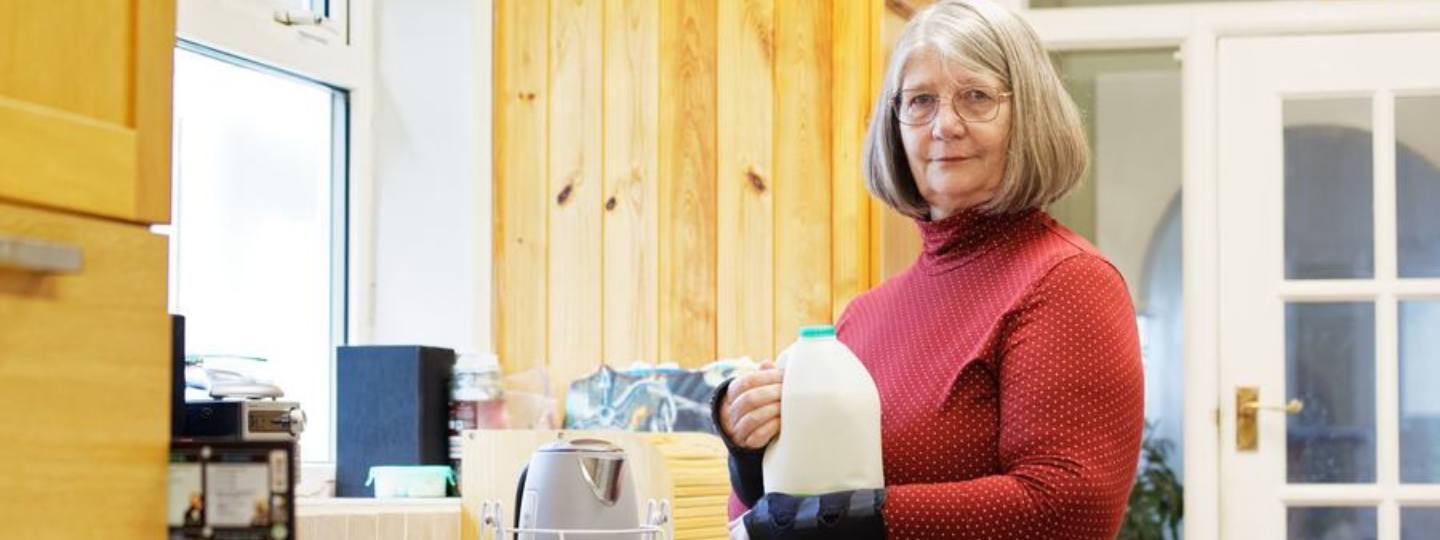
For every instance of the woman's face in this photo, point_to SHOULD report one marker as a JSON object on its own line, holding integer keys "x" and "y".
{"x": 956, "y": 164}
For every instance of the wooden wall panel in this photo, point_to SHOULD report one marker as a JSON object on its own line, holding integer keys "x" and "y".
{"x": 521, "y": 142}
{"x": 895, "y": 237}
{"x": 850, "y": 217}
{"x": 680, "y": 180}
{"x": 687, "y": 181}
{"x": 879, "y": 57}
{"x": 802, "y": 166}
{"x": 630, "y": 290}
{"x": 575, "y": 164}
{"x": 746, "y": 214}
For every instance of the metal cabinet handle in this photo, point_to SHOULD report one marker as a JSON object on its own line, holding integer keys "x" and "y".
{"x": 40, "y": 256}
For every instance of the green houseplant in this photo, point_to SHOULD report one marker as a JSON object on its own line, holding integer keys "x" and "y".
{"x": 1157, "y": 502}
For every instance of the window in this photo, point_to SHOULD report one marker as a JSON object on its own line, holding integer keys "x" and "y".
{"x": 258, "y": 243}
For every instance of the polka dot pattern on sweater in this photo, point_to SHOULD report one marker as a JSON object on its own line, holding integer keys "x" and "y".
{"x": 1008, "y": 365}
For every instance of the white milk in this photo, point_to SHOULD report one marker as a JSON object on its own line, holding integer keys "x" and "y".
{"x": 830, "y": 420}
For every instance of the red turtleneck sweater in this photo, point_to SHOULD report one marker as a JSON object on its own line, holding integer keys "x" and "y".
{"x": 1011, "y": 390}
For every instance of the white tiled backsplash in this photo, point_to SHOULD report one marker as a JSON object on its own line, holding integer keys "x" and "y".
{"x": 372, "y": 519}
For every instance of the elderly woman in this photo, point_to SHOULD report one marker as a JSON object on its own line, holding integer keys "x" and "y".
{"x": 1006, "y": 357}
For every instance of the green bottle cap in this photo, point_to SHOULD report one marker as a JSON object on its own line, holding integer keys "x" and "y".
{"x": 817, "y": 331}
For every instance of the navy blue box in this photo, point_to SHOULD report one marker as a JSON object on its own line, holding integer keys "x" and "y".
{"x": 392, "y": 408}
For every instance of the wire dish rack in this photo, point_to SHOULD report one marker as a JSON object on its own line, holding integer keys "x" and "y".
{"x": 493, "y": 519}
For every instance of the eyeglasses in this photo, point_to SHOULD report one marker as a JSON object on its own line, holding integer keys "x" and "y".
{"x": 973, "y": 104}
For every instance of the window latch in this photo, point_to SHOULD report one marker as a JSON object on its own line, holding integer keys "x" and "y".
{"x": 297, "y": 17}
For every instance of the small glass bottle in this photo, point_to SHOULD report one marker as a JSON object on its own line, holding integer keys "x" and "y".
{"x": 476, "y": 399}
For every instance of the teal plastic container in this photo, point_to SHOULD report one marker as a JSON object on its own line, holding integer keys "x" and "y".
{"x": 410, "y": 481}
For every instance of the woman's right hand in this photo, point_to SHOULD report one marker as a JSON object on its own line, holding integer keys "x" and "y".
{"x": 750, "y": 415}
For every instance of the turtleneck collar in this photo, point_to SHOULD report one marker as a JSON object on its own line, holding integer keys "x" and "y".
{"x": 957, "y": 239}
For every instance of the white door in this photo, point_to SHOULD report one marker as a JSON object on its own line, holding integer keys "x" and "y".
{"x": 1329, "y": 192}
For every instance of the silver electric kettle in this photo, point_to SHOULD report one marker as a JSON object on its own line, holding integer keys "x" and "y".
{"x": 582, "y": 484}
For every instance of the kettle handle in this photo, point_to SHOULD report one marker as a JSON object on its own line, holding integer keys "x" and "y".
{"x": 520, "y": 492}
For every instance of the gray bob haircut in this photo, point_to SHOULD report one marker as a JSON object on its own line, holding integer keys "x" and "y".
{"x": 1048, "y": 153}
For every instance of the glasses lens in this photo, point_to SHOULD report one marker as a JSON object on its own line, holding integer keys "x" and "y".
{"x": 917, "y": 108}
{"x": 976, "y": 104}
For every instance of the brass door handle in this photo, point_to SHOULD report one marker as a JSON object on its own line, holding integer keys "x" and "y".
{"x": 1293, "y": 406}
{"x": 1247, "y": 408}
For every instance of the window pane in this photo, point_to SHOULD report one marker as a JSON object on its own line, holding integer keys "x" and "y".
{"x": 1317, "y": 523}
{"x": 1329, "y": 223}
{"x": 1419, "y": 523}
{"x": 1330, "y": 365}
{"x": 253, "y": 238}
{"x": 1417, "y": 189}
{"x": 1419, "y": 402}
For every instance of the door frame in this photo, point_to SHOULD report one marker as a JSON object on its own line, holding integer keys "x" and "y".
{"x": 1196, "y": 30}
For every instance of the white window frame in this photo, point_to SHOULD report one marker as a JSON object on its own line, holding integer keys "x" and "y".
{"x": 1196, "y": 30}
{"x": 339, "y": 52}
{"x": 331, "y": 50}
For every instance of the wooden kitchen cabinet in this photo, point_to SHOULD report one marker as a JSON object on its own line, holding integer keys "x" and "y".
{"x": 84, "y": 381}
{"x": 85, "y": 105}
{"x": 85, "y": 113}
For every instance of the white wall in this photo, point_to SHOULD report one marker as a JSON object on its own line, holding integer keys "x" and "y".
{"x": 1137, "y": 160}
{"x": 432, "y": 174}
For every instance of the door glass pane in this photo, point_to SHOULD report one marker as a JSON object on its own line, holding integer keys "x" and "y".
{"x": 1419, "y": 402}
{"x": 1320, "y": 523}
{"x": 1329, "y": 225}
{"x": 1419, "y": 523}
{"x": 1330, "y": 366}
{"x": 1417, "y": 189}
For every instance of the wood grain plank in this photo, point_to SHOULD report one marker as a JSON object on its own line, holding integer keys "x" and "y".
{"x": 154, "y": 76}
{"x": 631, "y": 228}
{"x": 86, "y": 69}
{"x": 745, "y": 288}
{"x": 390, "y": 526}
{"x": 687, "y": 181}
{"x": 65, "y": 160}
{"x": 106, "y": 325}
{"x": 420, "y": 526}
{"x": 850, "y": 116}
{"x": 573, "y": 203}
{"x": 879, "y": 57}
{"x": 896, "y": 240}
{"x": 521, "y": 269}
{"x": 446, "y": 525}
{"x": 802, "y": 166}
{"x": 362, "y": 527}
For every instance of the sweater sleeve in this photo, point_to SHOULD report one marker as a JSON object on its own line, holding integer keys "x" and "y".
{"x": 1071, "y": 416}
{"x": 747, "y": 475}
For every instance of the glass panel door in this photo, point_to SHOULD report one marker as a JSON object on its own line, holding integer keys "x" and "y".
{"x": 1329, "y": 302}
